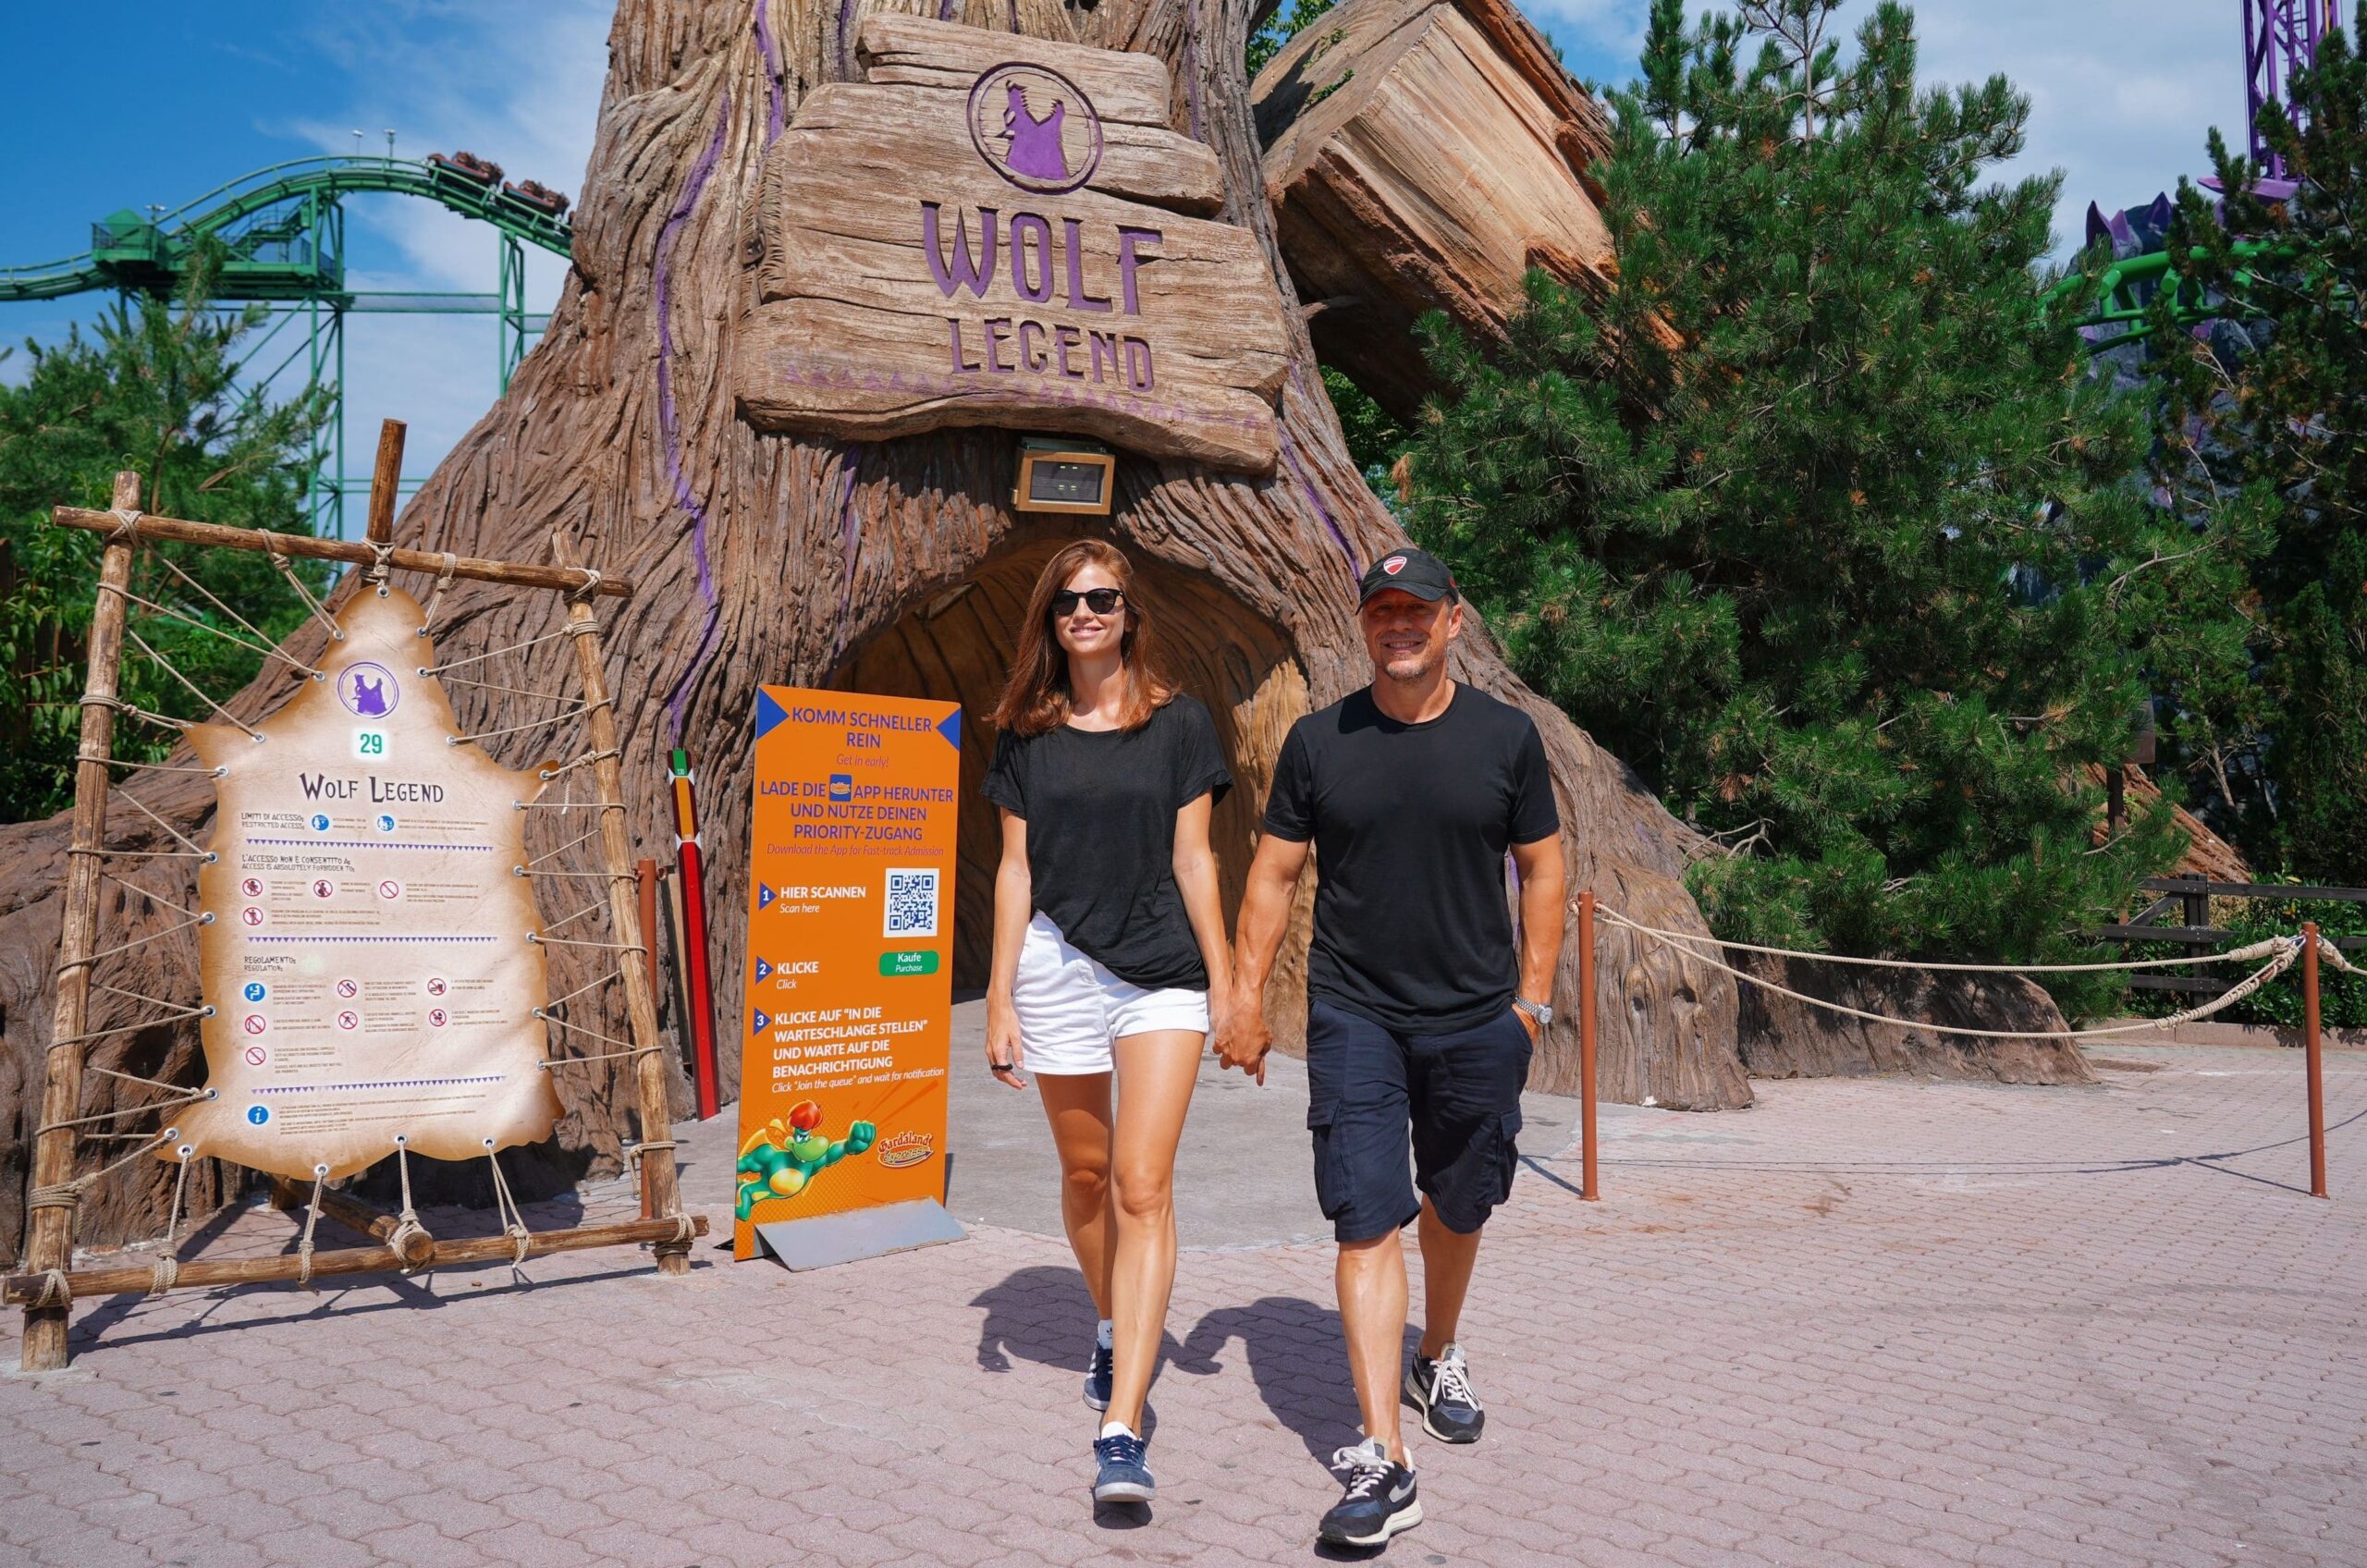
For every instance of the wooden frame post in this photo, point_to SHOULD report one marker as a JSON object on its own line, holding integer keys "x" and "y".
{"x": 50, "y": 1236}
{"x": 661, "y": 1192}
{"x": 2314, "y": 1059}
{"x": 1589, "y": 1188}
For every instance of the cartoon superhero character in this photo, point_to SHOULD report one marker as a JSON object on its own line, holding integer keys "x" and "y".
{"x": 781, "y": 1159}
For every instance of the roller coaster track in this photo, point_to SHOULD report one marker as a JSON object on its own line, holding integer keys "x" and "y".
{"x": 281, "y": 237}
{"x": 270, "y": 224}
{"x": 2132, "y": 283}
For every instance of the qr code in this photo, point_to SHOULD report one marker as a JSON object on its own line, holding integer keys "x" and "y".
{"x": 911, "y": 903}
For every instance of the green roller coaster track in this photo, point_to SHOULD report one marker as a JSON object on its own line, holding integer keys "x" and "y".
{"x": 2131, "y": 283}
{"x": 282, "y": 233}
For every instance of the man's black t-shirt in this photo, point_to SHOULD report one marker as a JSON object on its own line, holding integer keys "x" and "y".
{"x": 1410, "y": 824}
{"x": 1100, "y": 809}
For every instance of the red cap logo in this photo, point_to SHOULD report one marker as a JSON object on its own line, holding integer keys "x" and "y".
{"x": 1394, "y": 565}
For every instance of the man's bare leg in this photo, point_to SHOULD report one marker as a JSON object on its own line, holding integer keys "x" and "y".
{"x": 1371, "y": 1279}
{"x": 1447, "y": 1259}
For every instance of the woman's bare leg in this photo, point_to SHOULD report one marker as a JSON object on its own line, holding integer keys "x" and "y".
{"x": 1157, "y": 1072}
{"x": 1077, "y": 1105}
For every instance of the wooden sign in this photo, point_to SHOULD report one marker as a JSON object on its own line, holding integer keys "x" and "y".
{"x": 370, "y": 967}
{"x": 848, "y": 1002}
{"x": 999, "y": 230}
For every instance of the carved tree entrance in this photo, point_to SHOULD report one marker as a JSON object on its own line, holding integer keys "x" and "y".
{"x": 763, "y": 558}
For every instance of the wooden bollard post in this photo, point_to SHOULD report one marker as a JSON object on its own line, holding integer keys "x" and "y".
{"x": 49, "y": 1243}
{"x": 2314, "y": 1059}
{"x": 1589, "y": 1188}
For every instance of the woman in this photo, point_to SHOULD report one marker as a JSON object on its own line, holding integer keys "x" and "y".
{"x": 1108, "y": 941}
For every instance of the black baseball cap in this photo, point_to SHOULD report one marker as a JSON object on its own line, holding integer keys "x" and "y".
{"x": 1408, "y": 570}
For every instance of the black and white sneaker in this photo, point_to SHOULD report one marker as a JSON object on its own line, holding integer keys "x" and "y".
{"x": 1098, "y": 1375}
{"x": 1122, "y": 1476}
{"x": 1440, "y": 1390}
{"x": 1379, "y": 1500}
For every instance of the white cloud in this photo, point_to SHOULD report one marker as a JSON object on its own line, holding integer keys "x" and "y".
{"x": 518, "y": 84}
{"x": 2123, "y": 93}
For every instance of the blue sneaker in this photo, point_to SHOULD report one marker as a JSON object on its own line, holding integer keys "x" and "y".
{"x": 1098, "y": 1377}
{"x": 1123, "y": 1478}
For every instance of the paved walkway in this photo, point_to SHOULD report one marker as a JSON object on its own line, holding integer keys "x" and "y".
{"x": 1868, "y": 1322}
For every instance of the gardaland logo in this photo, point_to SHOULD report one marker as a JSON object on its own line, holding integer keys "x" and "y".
{"x": 898, "y": 1149}
{"x": 1035, "y": 128}
{"x": 1394, "y": 565}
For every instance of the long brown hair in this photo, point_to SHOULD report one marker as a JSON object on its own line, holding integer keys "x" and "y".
{"x": 1036, "y": 697}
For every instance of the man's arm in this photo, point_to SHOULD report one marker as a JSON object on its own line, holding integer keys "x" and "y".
{"x": 1257, "y": 938}
{"x": 1541, "y": 887}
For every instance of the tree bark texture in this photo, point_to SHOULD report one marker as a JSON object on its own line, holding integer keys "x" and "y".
{"x": 770, "y": 559}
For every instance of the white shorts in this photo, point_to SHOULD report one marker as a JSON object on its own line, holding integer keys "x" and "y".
{"x": 1070, "y": 1009}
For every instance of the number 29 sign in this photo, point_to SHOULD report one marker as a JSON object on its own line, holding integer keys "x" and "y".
{"x": 846, "y": 1012}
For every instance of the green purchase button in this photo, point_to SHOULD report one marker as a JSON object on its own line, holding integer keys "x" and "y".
{"x": 923, "y": 961}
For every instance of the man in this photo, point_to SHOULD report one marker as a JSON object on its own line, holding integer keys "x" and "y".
{"x": 1410, "y": 791}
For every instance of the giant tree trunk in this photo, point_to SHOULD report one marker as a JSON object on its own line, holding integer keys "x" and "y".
{"x": 776, "y": 560}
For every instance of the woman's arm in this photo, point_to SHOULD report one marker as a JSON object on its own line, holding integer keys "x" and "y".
{"x": 1014, "y": 904}
{"x": 1195, "y": 878}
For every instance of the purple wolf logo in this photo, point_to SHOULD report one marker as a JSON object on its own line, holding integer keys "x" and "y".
{"x": 368, "y": 689}
{"x": 1056, "y": 151}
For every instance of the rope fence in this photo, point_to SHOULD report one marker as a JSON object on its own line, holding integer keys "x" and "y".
{"x": 2273, "y": 957}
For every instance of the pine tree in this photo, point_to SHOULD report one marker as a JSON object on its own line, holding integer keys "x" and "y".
{"x": 155, "y": 388}
{"x": 1815, "y": 518}
{"x": 2285, "y": 432}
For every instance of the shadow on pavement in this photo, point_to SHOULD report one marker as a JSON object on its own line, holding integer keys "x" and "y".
{"x": 1298, "y": 1358}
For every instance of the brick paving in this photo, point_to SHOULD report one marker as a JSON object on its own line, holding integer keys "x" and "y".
{"x": 1867, "y": 1322}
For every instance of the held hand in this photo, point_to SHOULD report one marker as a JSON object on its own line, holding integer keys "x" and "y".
{"x": 1245, "y": 1039}
{"x": 1003, "y": 1050}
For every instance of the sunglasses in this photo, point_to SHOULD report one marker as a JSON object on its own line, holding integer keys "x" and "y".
{"x": 1100, "y": 601}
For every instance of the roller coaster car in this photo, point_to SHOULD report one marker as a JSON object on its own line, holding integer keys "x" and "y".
{"x": 535, "y": 194}
{"x": 468, "y": 166}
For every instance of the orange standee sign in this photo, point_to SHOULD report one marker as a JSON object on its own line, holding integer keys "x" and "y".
{"x": 849, "y": 991}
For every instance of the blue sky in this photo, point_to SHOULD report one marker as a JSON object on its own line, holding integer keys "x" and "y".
{"x": 143, "y": 102}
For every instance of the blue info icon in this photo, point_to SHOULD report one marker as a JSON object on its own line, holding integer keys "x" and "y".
{"x": 256, "y": 991}
{"x": 385, "y": 823}
{"x": 258, "y": 1114}
{"x": 320, "y": 822}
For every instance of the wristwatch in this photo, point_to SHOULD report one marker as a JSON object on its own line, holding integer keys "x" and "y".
{"x": 1541, "y": 1011}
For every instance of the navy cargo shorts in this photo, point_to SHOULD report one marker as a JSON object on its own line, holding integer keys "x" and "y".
{"x": 1459, "y": 1093}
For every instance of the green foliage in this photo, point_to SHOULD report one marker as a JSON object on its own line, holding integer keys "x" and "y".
{"x": 153, "y": 390}
{"x": 2342, "y": 999}
{"x": 1815, "y": 518}
{"x": 2280, "y": 431}
{"x": 1375, "y": 440}
{"x": 1284, "y": 24}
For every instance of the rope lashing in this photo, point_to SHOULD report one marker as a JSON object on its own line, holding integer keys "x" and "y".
{"x": 58, "y": 1194}
{"x": 376, "y": 572}
{"x": 56, "y": 1291}
{"x": 168, "y": 610}
{"x": 274, "y": 651}
{"x": 407, "y": 1226}
{"x": 585, "y": 589}
{"x": 319, "y": 612}
{"x": 168, "y": 1271}
{"x": 435, "y": 594}
{"x": 2258, "y": 950}
{"x": 312, "y": 1221}
{"x": 506, "y": 1207}
{"x": 2284, "y": 950}
{"x": 587, "y": 758}
{"x": 127, "y": 524}
{"x": 2329, "y": 953}
{"x": 575, "y": 712}
{"x": 490, "y": 654}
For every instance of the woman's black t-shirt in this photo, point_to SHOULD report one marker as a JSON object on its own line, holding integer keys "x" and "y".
{"x": 1100, "y": 809}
